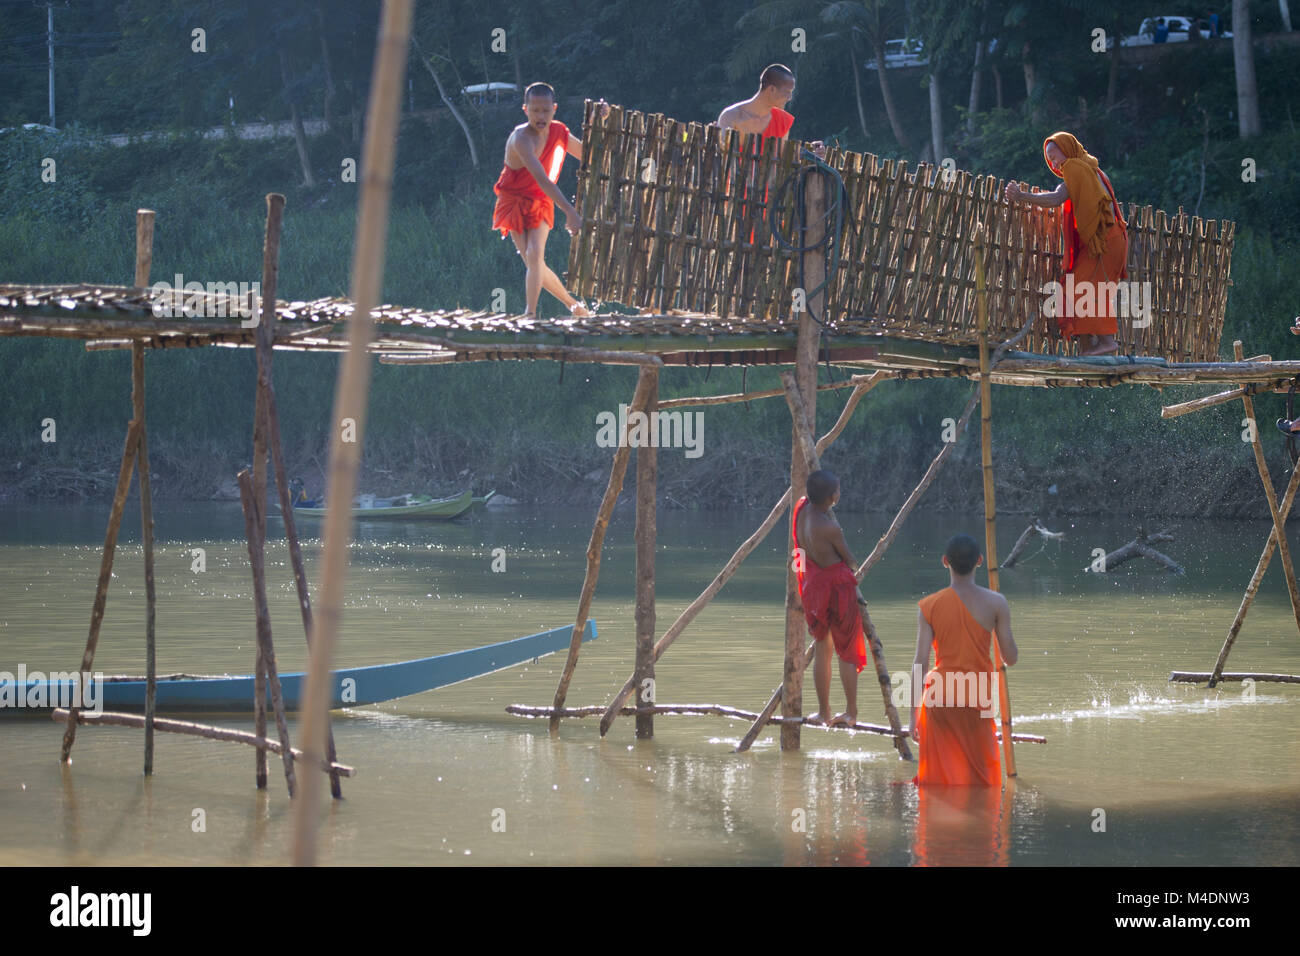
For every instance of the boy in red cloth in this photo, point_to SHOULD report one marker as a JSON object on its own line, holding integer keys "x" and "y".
{"x": 828, "y": 589}
{"x": 957, "y": 736}
{"x": 526, "y": 193}
{"x": 762, "y": 112}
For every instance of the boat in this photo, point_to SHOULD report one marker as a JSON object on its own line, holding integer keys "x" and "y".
{"x": 350, "y": 687}
{"x": 483, "y": 500}
{"x": 366, "y": 507}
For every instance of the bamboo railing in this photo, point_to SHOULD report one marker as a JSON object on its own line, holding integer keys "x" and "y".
{"x": 675, "y": 218}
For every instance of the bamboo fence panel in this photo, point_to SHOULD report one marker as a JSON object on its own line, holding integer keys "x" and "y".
{"x": 677, "y": 219}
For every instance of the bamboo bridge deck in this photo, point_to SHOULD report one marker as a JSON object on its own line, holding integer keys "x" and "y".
{"x": 108, "y": 316}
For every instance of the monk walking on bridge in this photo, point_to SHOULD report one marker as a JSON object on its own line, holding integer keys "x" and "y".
{"x": 952, "y": 714}
{"x": 526, "y": 193}
{"x": 1096, "y": 242}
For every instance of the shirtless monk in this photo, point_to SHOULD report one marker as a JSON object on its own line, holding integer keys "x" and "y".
{"x": 1096, "y": 240}
{"x": 956, "y": 733}
{"x": 526, "y": 193}
{"x": 828, "y": 589}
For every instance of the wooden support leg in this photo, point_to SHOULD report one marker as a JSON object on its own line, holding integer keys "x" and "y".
{"x": 746, "y": 547}
{"x": 144, "y": 221}
{"x": 807, "y": 448}
{"x": 1283, "y": 511}
{"x": 129, "y": 453}
{"x": 647, "y": 476}
{"x": 990, "y": 505}
{"x": 639, "y": 401}
{"x": 813, "y": 228}
{"x": 1283, "y": 548}
{"x": 295, "y": 559}
{"x": 877, "y": 553}
{"x": 266, "y": 648}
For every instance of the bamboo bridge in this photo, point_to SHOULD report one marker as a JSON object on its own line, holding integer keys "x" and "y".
{"x": 702, "y": 247}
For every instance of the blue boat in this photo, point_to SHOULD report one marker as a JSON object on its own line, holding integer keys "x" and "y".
{"x": 351, "y": 687}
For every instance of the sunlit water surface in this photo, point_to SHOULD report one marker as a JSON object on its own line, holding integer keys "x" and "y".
{"x": 1177, "y": 773}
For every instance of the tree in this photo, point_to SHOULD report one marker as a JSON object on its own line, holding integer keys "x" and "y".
{"x": 1243, "y": 59}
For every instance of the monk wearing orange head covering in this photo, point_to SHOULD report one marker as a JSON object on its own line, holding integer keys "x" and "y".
{"x": 1096, "y": 241}
{"x": 952, "y": 710}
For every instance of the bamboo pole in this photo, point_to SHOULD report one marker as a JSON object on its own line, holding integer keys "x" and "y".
{"x": 640, "y": 399}
{"x": 351, "y": 392}
{"x": 990, "y": 505}
{"x": 1261, "y": 566}
{"x": 851, "y": 382}
{"x": 129, "y": 452}
{"x": 295, "y": 560}
{"x": 719, "y": 710}
{"x": 1283, "y": 547}
{"x": 647, "y": 478}
{"x": 809, "y": 450}
{"x": 144, "y": 221}
{"x": 1219, "y": 398}
{"x": 741, "y": 553}
{"x": 108, "y": 718}
{"x": 266, "y": 649}
{"x": 812, "y": 229}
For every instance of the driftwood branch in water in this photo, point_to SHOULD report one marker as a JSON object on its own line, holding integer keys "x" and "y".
{"x": 1200, "y": 677}
{"x": 1034, "y": 528}
{"x": 1140, "y": 547}
{"x": 718, "y": 710}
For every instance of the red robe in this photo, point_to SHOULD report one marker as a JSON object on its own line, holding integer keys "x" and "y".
{"x": 778, "y": 125}
{"x": 830, "y": 601}
{"x": 521, "y": 203}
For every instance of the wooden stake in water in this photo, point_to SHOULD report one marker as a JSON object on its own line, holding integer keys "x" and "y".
{"x": 990, "y": 506}
{"x": 144, "y": 219}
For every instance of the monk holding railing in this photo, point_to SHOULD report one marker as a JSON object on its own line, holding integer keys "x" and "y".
{"x": 1096, "y": 242}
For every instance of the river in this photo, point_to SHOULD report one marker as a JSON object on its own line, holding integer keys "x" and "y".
{"x": 1135, "y": 771}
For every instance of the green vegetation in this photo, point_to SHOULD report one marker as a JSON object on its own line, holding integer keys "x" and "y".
{"x": 527, "y": 428}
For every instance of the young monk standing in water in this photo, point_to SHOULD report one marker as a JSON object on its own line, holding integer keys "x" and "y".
{"x": 1096, "y": 240}
{"x": 526, "y": 193}
{"x": 828, "y": 589}
{"x": 957, "y": 736}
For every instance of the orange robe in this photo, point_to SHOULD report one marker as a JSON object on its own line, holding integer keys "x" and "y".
{"x": 958, "y": 746}
{"x": 521, "y": 203}
{"x": 1088, "y": 267}
{"x": 830, "y": 601}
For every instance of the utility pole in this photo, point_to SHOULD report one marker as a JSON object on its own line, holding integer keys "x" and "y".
{"x": 49, "y": 42}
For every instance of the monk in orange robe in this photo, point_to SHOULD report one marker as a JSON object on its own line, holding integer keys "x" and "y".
{"x": 526, "y": 193}
{"x": 1096, "y": 241}
{"x": 952, "y": 714}
{"x": 828, "y": 589}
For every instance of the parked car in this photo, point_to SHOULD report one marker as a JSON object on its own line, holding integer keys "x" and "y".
{"x": 909, "y": 51}
{"x": 1168, "y": 29}
{"x": 490, "y": 92}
